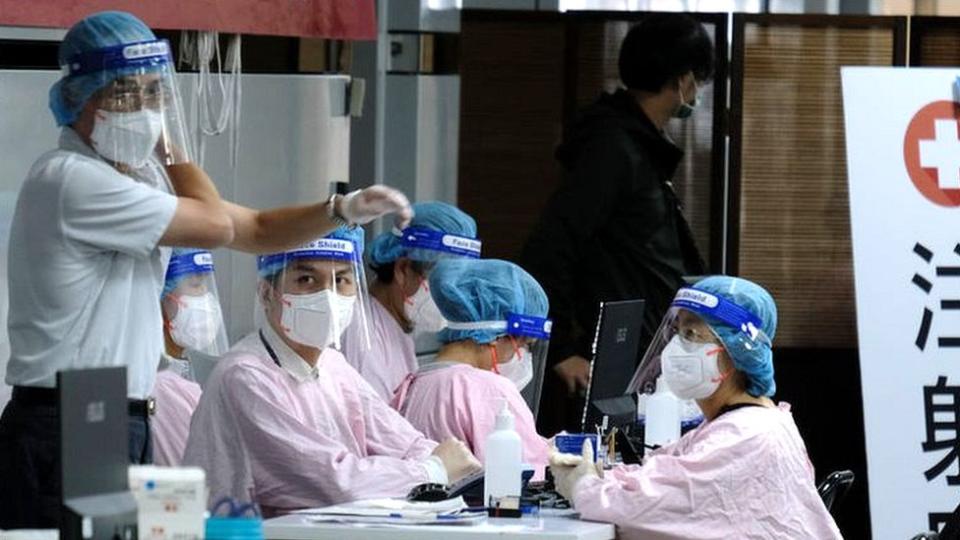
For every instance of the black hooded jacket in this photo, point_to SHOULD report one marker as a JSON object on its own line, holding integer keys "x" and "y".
{"x": 614, "y": 229}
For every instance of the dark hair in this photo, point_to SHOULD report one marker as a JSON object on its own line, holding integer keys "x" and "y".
{"x": 663, "y": 47}
{"x": 384, "y": 272}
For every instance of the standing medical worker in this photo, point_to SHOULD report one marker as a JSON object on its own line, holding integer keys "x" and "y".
{"x": 195, "y": 337}
{"x": 744, "y": 473}
{"x": 402, "y": 262}
{"x": 614, "y": 229}
{"x": 87, "y": 232}
{"x": 496, "y": 328}
{"x": 285, "y": 422}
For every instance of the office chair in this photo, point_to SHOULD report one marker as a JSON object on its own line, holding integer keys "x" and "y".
{"x": 834, "y": 487}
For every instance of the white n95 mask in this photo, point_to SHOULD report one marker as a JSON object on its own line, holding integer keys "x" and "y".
{"x": 127, "y": 137}
{"x": 423, "y": 312}
{"x": 318, "y": 319}
{"x": 519, "y": 369}
{"x": 691, "y": 370}
{"x": 197, "y": 322}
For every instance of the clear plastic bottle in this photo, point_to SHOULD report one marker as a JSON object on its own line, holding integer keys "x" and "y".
{"x": 662, "y": 417}
{"x": 503, "y": 455}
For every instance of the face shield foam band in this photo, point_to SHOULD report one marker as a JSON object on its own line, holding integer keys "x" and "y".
{"x": 417, "y": 238}
{"x": 515, "y": 325}
{"x": 325, "y": 248}
{"x": 704, "y": 303}
{"x": 197, "y": 262}
{"x": 143, "y": 55}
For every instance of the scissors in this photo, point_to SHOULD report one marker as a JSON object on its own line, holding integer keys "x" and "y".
{"x": 235, "y": 508}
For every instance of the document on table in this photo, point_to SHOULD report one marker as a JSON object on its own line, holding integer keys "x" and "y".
{"x": 398, "y": 512}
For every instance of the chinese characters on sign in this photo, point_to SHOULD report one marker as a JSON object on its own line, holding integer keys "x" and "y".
{"x": 941, "y": 401}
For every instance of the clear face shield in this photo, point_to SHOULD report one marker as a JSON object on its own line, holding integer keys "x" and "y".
{"x": 313, "y": 293}
{"x": 686, "y": 351}
{"x": 520, "y": 354}
{"x": 427, "y": 246}
{"x": 193, "y": 319}
{"x": 139, "y": 117}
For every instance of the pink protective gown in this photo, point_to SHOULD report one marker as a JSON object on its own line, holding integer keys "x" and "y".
{"x": 177, "y": 398}
{"x": 744, "y": 474}
{"x": 391, "y": 355}
{"x": 289, "y": 436}
{"x": 449, "y": 399}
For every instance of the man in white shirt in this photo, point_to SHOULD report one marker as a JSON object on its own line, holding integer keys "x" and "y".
{"x": 87, "y": 239}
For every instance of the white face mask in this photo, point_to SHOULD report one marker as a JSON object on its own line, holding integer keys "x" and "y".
{"x": 318, "y": 319}
{"x": 691, "y": 370}
{"x": 127, "y": 137}
{"x": 197, "y": 322}
{"x": 519, "y": 368}
{"x": 423, "y": 312}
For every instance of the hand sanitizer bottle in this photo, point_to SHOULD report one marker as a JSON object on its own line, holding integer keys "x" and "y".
{"x": 662, "y": 425}
{"x": 503, "y": 455}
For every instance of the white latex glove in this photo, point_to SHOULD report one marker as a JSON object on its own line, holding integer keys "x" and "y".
{"x": 457, "y": 459}
{"x": 568, "y": 469}
{"x": 365, "y": 205}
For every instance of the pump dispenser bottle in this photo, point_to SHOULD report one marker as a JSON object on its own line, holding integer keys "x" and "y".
{"x": 503, "y": 454}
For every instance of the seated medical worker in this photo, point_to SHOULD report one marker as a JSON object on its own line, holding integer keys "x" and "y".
{"x": 744, "y": 472}
{"x": 496, "y": 321}
{"x": 402, "y": 306}
{"x": 285, "y": 422}
{"x": 194, "y": 337}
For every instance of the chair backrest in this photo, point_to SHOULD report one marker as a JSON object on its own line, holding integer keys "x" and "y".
{"x": 834, "y": 487}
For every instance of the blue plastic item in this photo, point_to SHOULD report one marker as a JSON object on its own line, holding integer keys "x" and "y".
{"x": 236, "y": 524}
{"x": 234, "y": 528}
{"x": 572, "y": 443}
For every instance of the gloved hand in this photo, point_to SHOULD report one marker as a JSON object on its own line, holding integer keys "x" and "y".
{"x": 457, "y": 459}
{"x": 568, "y": 469}
{"x": 365, "y": 205}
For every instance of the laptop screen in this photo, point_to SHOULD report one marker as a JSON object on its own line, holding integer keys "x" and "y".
{"x": 615, "y": 348}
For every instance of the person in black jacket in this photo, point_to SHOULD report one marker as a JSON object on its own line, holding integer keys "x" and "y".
{"x": 614, "y": 230}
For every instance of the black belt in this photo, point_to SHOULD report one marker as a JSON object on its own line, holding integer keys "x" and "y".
{"x": 47, "y": 397}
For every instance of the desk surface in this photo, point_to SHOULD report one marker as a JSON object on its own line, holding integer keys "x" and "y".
{"x": 295, "y": 527}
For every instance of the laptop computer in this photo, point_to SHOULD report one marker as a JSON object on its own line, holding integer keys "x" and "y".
{"x": 615, "y": 348}
{"x": 94, "y": 455}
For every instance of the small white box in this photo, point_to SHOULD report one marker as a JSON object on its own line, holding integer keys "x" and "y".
{"x": 171, "y": 502}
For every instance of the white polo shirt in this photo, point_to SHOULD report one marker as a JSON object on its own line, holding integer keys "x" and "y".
{"x": 85, "y": 270}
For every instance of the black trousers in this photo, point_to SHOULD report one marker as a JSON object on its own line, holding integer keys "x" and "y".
{"x": 30, "y": 492}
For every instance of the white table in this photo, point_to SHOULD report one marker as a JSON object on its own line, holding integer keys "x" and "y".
{"x": 296, "y": 527}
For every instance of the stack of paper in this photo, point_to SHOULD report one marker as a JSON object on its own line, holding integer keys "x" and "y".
{"x": 398, "y": 512}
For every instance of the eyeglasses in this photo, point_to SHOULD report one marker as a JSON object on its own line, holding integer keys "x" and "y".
{"x": 691, "y": 334}
{"x": 129, "y": 95}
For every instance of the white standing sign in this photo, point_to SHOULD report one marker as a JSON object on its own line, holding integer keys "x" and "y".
{"x": 903, "y": 161}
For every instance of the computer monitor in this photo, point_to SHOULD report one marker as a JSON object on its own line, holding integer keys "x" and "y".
{"x": 94, "y": 455}
{"x": 615, "y": 348}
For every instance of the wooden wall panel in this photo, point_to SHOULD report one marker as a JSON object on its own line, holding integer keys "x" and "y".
{"x": 512, "y": 86}
{"x": 935, "y": 41}
{"x": 794, "y": 224}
